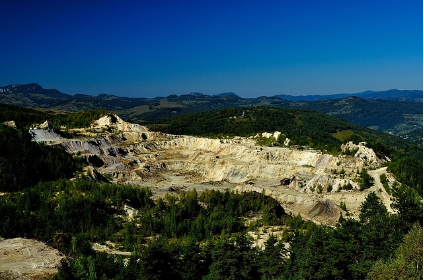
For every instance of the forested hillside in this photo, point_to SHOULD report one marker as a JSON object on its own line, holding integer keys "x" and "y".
{"x": 303, "y": 127}
{"x": 24, "y": 163}
{"x": 379, "y": 114}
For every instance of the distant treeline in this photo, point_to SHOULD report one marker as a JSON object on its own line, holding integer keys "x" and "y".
{"x": 26, "y": 117}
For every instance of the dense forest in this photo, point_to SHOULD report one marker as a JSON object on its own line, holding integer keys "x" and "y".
{"x": 23, "y": 163}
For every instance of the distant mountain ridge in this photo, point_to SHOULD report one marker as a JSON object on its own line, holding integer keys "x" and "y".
{"x": 391, "y": 94}
{"x": 399, "y": 112}
{"x": 228, "y": 94}
{"x": 33, "y": 88}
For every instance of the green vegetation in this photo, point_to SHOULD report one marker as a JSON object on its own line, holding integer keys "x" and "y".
{"x": 347, "y": 186}
{"x": 406, "y": 200}
{"x": 23, "y": 116}
{"x": 365, "y": 180}
{"x": 407, "y": 262}
{"x": 89, "y": 208}
{"x": 351, "y": 152}
{"x": 409, "y": 170}
{"x": 23, "y": 163}
{"x": 381, "y": 113}
{"x": 271, "y": 141}
{"x": 79, "y": 119}
{"x": 346, "y": 135}
{"x": 383, "y": 180}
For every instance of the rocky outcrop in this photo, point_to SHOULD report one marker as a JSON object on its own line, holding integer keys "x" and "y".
{"x": 47, "y": 125}
{"x": 325, "y": 211}
{"x": 274, "y": 135}
{"x": 11, "y": 124}
{"x": 362, "y": 152}
{"x": 108, "y": 120}
{"x": 115, "y": 123}
{"x": 93, "y": 174}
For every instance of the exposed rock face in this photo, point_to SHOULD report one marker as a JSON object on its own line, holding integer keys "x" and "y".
{"x": 326, "y": 211}
{"x": 274, "y": 135}
{"x": 93, "y": 174}
{"x": 27, "y": 259}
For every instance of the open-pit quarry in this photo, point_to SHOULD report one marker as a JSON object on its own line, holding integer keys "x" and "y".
{"x": 305, "y": 181}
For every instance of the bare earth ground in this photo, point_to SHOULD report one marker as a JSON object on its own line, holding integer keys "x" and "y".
{"x": 27, "y": 259}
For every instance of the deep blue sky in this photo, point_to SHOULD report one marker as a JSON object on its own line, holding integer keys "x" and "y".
{"x": 253, "y": 48}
